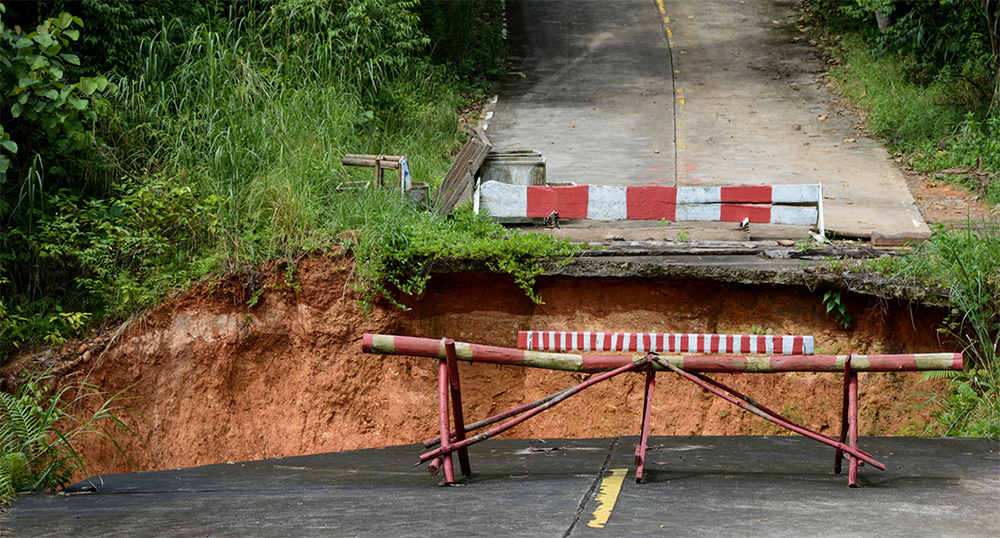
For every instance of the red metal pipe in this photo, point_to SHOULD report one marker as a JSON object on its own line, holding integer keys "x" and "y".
{"x": 449, "y": 471}
{"x": 426, "y": 347}
{"x": 497, "y": 418}
{"x": 839, "y": 455}
{"x": 647, "y": 407}
{"x": 783, "y": 423}
{"x": 758, "y": 405}
{"x": 514, "y": 422}
{"x": 852, "y": 431}
{"x": 456, "y": 404}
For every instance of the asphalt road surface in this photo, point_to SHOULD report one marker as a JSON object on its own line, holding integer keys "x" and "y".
{"x": 694, "y": 486}
{"x": 685, "y": 92}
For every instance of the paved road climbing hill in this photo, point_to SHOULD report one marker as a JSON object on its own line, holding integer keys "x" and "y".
{"x": 684, "y": 93}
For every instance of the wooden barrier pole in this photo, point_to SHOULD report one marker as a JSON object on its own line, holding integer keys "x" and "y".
{"x": 427, "y": 347}
{"x": 514, "y": 422}
{"x": 759, "y": 405}
{"x": 497, "y": 418}
{"x": 784, "y": 423}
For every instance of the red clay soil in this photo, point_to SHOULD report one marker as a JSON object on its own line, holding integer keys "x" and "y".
{"x": 215, "y": 380}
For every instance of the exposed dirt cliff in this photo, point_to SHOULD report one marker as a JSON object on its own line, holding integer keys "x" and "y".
{"x": 216, "y": 380}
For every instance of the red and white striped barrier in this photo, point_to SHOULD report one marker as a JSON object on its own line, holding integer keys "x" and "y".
{"x": 799, "y": 205}
{"x": 572, "y": 362}
{"x": 664, "y": 342}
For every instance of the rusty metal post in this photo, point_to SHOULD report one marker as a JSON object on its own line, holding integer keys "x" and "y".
{"x": 852, "y": 428}
{"x": 845, "y": 404}
{"x": 647, "y": 406}
{"x": 449, "y": 471}
{"x": 784, "y": 423}
{"x": 514, "y": 422}
{"x": 456, "y": 404}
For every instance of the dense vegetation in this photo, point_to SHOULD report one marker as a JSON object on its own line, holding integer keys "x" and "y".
{"x": 929, "y": 80}
{"x": 927, "y": 73}
{"x": 146, "y": 144}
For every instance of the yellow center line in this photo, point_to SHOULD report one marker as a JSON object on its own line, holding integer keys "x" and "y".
{"x": 659, "y": 4}
{"x": 611, "y": 486}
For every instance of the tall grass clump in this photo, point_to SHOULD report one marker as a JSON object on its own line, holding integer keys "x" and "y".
{"x": 966, "y": 264}
{"x": 398, "y": 247}
{"x": 260, "y": 120}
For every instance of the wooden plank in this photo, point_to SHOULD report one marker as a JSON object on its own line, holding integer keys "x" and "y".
{"x": 462, "y": 173}
{"x": 352, "y": 159}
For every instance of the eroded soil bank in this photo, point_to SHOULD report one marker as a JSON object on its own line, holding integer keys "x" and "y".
{"x": 215, "y": 380}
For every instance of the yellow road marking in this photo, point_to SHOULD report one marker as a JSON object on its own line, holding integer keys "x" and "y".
{"x": 659, "y": 4}
{"x": 611, "y": 486}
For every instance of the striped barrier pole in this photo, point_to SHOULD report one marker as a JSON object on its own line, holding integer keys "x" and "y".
{"x": 766, "y": 204}
{"x": 664, "y": 342}
{"x": 427, "y": 347}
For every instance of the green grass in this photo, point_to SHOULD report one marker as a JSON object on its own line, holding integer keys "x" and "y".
{"x": 940, "y": 123}
{"x": 966, "y": 265}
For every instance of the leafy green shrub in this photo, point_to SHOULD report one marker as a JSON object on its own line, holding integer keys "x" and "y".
{"x": 39, "y": 432}
{"x": 222, "y": 147}
{"x": 965, "y": 263}
{"x": 396, "y": 246}
{"x": 36, "y": 88}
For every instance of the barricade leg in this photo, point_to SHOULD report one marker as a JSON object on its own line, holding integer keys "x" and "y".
{"x": 852, "y": 428}
{"x": 445, "y": 457}
{"x": 558, "y": 397}
{"x": 849, "y": 425}
{"x": 647, "y": 406}
{"x": 838, "y": 457}
{"x": 456, "y": 404}
{"x": 746, "y": 403}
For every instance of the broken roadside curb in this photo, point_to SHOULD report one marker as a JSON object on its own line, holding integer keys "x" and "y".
{"x": 749, "y": 263}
